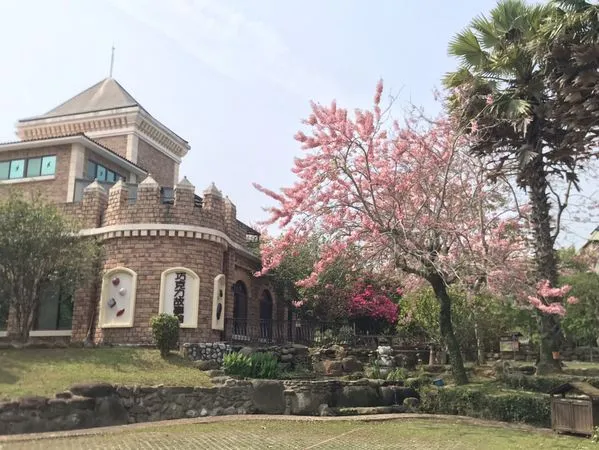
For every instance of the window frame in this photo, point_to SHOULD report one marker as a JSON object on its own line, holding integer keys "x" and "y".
{"x": 117, "y": 175}
{"x": 25, "y": 170}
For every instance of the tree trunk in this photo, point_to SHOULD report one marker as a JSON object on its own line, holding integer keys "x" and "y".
{"x": 545, "y": 262}
{"x": 480, "y": 350}
{"x": 455, "y": 356}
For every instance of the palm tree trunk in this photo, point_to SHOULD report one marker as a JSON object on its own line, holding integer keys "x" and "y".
{"x": 452, "y": 344}
{"x": 545, "y": 262}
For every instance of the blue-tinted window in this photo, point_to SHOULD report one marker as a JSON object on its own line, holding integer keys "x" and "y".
{"x": 17, "y": 168}
{"x": 101, "y": 173}
{"x": 110, "y": 176}
{"x": 34, "y": 166}
{"x": 91, "y": 170}
{"x": 48, "y": 165}
{"x": 4, "y": 168}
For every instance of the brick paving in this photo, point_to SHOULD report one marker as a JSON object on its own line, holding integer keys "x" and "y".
{"x": 235, "y": 432}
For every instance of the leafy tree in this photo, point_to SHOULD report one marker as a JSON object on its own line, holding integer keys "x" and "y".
{"x": 39, "y": 249}
{"x": 479, "y": 322}
{"x": 502, "y": 96}
{"x": 567, "y": 49}
{"x": 581, "y": 323}
{"x": 407, "y": 197}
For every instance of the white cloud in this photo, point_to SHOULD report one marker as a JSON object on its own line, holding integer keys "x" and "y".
{"x": 229, "y": 42}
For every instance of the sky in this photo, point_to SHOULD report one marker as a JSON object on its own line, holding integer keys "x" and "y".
{"x": 232, "y": 77}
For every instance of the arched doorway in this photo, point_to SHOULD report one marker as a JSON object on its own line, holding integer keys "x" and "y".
{"x": 266, "y": 315}
{"x": 240, "y": 308}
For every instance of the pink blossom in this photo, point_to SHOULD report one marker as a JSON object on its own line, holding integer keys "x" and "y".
{"x": 298, "y": 303}
{"x": 489, "y": 99}
{"x": 572, "y": 300}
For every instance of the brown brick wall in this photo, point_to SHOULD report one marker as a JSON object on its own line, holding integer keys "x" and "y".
{"x": 53, "y": 190}
{"x": 155, "y": 162}
{"x": 149, "y": 257}
{"x": 117, "y": 144}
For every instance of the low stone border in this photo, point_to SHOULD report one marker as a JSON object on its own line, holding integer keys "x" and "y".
{"x": 102, "y": 404}
{"x": 257, "y": 417}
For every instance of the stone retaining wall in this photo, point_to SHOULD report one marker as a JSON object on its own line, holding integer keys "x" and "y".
{"x": 86, "y": 406}
{"x": 206, "y": 351}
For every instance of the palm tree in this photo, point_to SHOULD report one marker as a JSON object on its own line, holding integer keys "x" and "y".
{"x": 499, "y": 94}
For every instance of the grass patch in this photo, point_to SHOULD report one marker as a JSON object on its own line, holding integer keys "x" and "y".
{"x": 48, "y": 371}
{"x": 275, "y": 434}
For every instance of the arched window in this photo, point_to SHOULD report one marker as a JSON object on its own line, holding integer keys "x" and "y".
{"x": 240, "y": 308}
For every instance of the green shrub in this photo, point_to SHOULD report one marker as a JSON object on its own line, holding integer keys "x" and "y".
{"x": 165, "y": 329}
{"x": 473, "y": 402}
{"x": 542, "y": 383}
{"x": 237, "y": 364}
{"x": 419, "y": 381}
{"x": 257, "y": 365}
{"x": 398, "y": 374}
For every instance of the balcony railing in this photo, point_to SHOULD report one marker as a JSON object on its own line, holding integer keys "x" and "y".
{"x": 265, "y": 331}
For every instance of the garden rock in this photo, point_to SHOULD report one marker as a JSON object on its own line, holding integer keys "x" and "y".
{"x": 247, "y": 351}
{"x": 267, "y": 396}
{"x": 93, "y": 390}
{"x": 331, "y": 368}
{"x": 359, "y": 395}
{"x": 351, "y": 364}
{"x": 324, "y": 410}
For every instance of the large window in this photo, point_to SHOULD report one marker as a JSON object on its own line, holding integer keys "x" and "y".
{"x": 98, "y": 172}
{"x": 28, "y": 168}
{"x": 56, "y": 309}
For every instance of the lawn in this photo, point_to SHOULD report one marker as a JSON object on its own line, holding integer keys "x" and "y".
{"x": 48, "y": 371}
{"x": 305, "y": 434}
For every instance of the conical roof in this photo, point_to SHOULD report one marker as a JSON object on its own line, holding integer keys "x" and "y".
{"x": 105, "y": 95}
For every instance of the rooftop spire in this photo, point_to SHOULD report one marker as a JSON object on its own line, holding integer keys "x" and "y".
{"x": 111, "y": 61}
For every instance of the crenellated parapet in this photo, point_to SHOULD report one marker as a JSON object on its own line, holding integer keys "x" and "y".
{"x": 149, "y": 206}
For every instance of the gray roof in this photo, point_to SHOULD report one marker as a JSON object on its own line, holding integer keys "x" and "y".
{"x": 105, "y": 95}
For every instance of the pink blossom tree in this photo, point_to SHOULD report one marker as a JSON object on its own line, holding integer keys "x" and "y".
{"x": 408, "y": 196}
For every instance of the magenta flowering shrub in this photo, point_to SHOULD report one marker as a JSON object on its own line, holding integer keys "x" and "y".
{"x": 369, "y": 303}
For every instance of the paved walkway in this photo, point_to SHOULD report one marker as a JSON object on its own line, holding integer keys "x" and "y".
{"x": 232, "y": 432}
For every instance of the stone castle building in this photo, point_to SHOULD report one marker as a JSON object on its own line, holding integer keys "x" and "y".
{"x": 109, "y": 163}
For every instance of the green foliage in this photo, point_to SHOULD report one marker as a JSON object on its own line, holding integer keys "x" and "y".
{"x": 375, "y": 370}
{"x": 595, "y": 436}
{"x": 165, "y": 330}
{"x": 256, "y": 365}
{"x": 40, "y": 252}
{"x": 581, "y": 323}
{"x": 542, "y": 384}
{"x": 420, "y": 319}
{"x": 475, "y": 402}
{"x": 398, "y": 374}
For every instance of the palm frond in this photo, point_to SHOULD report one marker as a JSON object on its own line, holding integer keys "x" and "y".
{"x": 466, "y": 46}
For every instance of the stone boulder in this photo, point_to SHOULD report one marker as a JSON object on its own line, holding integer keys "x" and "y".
{"x": 267, "y": 396}
{"x": 329, "y": 368}
{"x": 352, "y": 365}
{"x": 93, "y": 390}
{"x": 395, "y": 395}
{"x": 247, "y": 351}
{"x": 358, "y": 395}
{"x": 110, "y": 411}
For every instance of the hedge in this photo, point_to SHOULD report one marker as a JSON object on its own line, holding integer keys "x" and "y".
{"x": 533, "y": 409}
{"x": 542, "y": 384}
